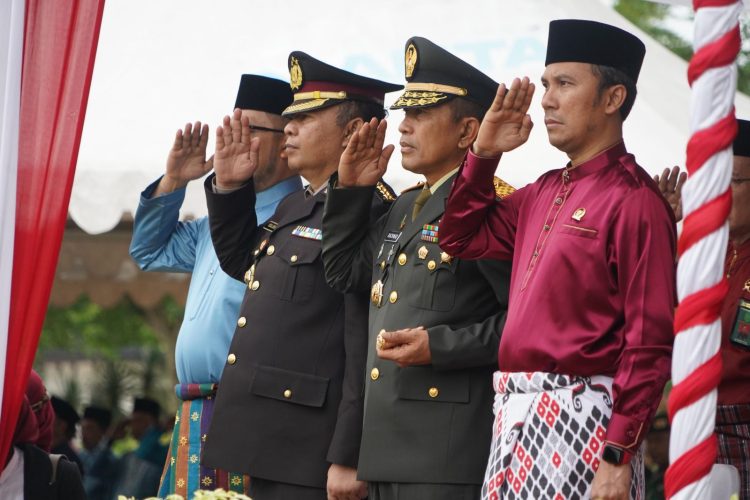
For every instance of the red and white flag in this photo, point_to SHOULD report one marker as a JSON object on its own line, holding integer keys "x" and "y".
{"x": 47, "y": 51}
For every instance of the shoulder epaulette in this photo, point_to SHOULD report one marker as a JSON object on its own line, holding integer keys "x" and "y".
{"x": 502, "y": 188}
{"x": 418, "y": 185}
{"x": 385, "y": 192}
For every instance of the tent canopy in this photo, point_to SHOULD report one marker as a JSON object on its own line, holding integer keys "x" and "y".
{"x": 160, "y": 65}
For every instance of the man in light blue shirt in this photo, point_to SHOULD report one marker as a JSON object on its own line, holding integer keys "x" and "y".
{"x": 162, "y": 243}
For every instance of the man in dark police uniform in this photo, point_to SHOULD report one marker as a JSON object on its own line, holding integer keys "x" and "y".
{"x": 435, "y": 320}
{"x": 289, "y": 405}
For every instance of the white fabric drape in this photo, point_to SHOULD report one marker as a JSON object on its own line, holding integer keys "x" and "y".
{"x": 11, "y": 55}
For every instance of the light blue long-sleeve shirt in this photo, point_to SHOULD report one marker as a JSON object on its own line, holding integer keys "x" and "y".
{"x": 163, "y": 243}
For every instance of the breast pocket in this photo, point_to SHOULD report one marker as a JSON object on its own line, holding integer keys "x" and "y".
{"x": 302, "y": 269}
{"x": 581, "y": 231}
{"x": 436, "y": 282}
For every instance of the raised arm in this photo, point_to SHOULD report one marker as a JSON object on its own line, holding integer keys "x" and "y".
{"x": 475, "y": 225}
{"x": 160, "y": 242}
{"x": 230, "y": 195}
{"x": 350, "y": 229}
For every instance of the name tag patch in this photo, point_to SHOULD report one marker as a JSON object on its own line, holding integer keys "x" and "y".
{"x": 741, "y": 331}
{"x": 392, "y": 236}
{"x": 270, "y": 226}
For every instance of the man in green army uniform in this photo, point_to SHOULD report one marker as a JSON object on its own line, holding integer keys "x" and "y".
{"x": 435, "y": 321}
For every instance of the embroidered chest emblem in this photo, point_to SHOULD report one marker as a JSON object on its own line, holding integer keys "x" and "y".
{"x": 578, "y": 214}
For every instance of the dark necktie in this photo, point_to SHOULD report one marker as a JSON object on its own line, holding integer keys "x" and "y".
{"x": 420, "y": 201}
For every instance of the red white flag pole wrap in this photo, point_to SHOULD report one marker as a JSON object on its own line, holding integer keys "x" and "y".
{"x": 701, "y": 285}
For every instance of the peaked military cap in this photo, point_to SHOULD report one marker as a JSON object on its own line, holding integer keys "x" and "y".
{"x": 147, "y": 405}
{"x": 317, "y": 85}
{"x": 435, "y": 76}
{"x": 741, "y": 146}
{"x": 261, "y": 93}
{"x": 100, "y": 415}
{"x": 577, "y": 40}
{"x": 65, "y": 411}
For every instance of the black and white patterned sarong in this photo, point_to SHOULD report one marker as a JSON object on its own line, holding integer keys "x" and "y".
{"x": 548, "y": 436}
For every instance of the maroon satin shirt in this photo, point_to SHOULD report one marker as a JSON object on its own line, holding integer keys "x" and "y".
{"x": 593, "y": 285}
{"x": 734, "y": 387}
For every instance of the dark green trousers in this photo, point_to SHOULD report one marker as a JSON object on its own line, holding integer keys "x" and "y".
{"x": 421, "y": 491}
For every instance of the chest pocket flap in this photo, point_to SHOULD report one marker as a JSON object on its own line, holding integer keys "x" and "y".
{"x": 302, "y": 268}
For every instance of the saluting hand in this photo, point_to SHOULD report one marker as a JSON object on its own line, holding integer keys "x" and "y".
{"x": 365, "y": 160}
{"x": 408, "y": 347}
{"x": 506, "y": 125}
{"x": 187, "y": 158}
{"x": 236, "y": 156}
{"x": 670, "y": 186}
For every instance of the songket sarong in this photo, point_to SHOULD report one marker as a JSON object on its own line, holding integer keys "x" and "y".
{"x": 733, "y": 431}
{"x": 548, "y": 435}
{"x": 183, "y": 473}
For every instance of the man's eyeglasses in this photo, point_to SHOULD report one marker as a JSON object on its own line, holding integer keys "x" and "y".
{"x": 265, "y": 129}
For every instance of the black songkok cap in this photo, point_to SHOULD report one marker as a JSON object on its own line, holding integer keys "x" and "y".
{"x": 435, "y": 76}
{"x": 100, "y": 415}
{"x": 147, "y": 405}
{"x": 65, "y": 411}
{"x": 263, "y": 94}
{"x": 576, "y": 40}
{"x": 741, "y": 146}
{"x": 317, "y": 85}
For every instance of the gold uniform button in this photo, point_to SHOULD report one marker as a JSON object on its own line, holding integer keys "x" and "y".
{"x": 393, "y": 297}
{"x": 375, "y": 374}
{"x": 431, "y": 265}
{"x": 255, "y": 285}
{"x": 288, "y": 393}
{"x": 433, "y": 392}
{"x": 271, "y": 250}
{"x": 402, "y": 259}
{"x": 293, "y": 258}
{"x": 242, "y": 321}
{"x": 382, "y": 265}
{"x": 231, "y": 359}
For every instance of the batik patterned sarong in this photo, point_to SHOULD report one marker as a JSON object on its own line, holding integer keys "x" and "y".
{"x": 548, "y": 436}
{"x": 183, "y": 473}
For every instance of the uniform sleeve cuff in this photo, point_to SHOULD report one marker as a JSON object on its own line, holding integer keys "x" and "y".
{"x": 625, "y": 432}
{"x": 176, "y": 197}
{"x": 478, "y": 169}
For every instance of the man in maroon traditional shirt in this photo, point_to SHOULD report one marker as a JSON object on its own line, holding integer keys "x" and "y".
{"x": 586, "y": 348}
{"x": 733, "y": 412}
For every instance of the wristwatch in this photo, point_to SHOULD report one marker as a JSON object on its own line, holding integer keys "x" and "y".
{"x": 615, "y": 455}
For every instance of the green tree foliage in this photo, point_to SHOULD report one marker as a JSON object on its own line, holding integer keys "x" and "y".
{"x": 87, "y": 328}
{"x": 650, "y": 16}
{"x": 103, "y": 335}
